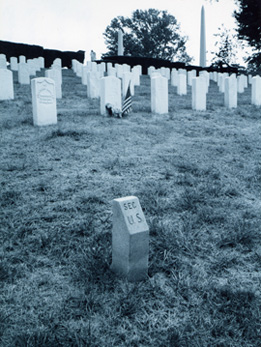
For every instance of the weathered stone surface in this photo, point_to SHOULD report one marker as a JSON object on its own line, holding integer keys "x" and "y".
{"x": 44, "y": 101}
{"x": 130, "y": 239}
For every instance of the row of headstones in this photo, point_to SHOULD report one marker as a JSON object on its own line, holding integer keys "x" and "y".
{"x": 26, "y": 70}
{"x": 110, "y": 92}
{"x": 44, "y": 98}
{"x": 91, "y": 73}
{"x": 229, "y": 85}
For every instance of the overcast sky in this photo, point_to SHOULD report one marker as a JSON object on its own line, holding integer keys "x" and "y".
{"x": 79, "y": 24}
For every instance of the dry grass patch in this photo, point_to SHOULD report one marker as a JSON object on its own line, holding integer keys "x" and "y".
{"x": 197, "y": 176}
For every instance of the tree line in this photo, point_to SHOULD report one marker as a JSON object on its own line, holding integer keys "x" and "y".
{"x": 156, "y": 34}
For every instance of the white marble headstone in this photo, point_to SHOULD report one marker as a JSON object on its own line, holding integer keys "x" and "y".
{"x": 44, "y": 101}
{"x": 230, "y": 92}
{"x": 159, "y": 94}
{"x": 54, "y": 74}
{"x": 256, "y": 91}
{"x": 199, "y": 99}
{"x": 110, "y": 93}
{"x": 6, "y": 85}
{"x": 23, "y": 73}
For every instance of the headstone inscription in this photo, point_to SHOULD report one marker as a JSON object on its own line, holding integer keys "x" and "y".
{"x": 6, "y": 85}
{"x": 44, "y": 101}
{"x": 130, "y": 239}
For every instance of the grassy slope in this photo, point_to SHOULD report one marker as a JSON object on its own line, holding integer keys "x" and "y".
{"x": 198, "y": 178}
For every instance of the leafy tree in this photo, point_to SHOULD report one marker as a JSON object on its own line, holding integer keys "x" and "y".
{"x": 248, "y": 17}
{"x": 227, "y": 46}
{"x": 149, "y": 33}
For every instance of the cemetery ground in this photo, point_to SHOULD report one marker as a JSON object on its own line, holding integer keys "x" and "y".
{"x": 198, "y": 178}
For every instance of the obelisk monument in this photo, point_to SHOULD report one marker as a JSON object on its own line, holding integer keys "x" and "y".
{"x": 120, "y": 42}
{"x": 202, "y": 59}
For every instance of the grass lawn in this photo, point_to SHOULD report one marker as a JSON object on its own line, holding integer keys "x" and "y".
{"x": 198, "y": 178}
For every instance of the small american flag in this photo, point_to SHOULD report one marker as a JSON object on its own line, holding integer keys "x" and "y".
{"x": 127, "y": 103}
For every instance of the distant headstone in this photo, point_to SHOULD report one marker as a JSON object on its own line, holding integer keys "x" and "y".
{"x": 31, "y": 67}
{"x": 111, "y": 71}
{"x": 44, "y": 101}
{"x": 14, "y": 63}
{"x": 256, "y": 91}
{"x": 57, "y": 62}
{"x": 41, "y": 62}
{"x": 110, "y": 93}
{"x": 102, "y": 69}
{"x": 23, "y": 73}
{"x": 22, "y": 59}
{"x": 93, "y": 55}
{"x": 191, "y": 74}
{"x": 78, "y": 69}
{"x": 231, "y": 92}
{"x": 222, "y": 83}
{"x": 151, "y": 69}
{"x": 3, "y": 62}
{"x": 54, "y": 74}
{"x": 174, "y": 77}
{"x": 84, "y": 75}
{"x": 240, "y": 84}
{"x": 245, "y": 81}
{"x": 199, "y": 93}
{"x": 182, "y": 84}
{"x": 6, "y": 85}
{"x": 136, "y": 75}
{"x": 119, "y": 70}
{"x": 130, "y": 239}
{"x": 205, "y": 74}
{"x": 126, "y": 68}
{"x": 159, "y": 94}
{"x": 93, "y": 84}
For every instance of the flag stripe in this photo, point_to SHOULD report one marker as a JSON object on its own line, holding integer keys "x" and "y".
{"x": 127, "y": 102}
